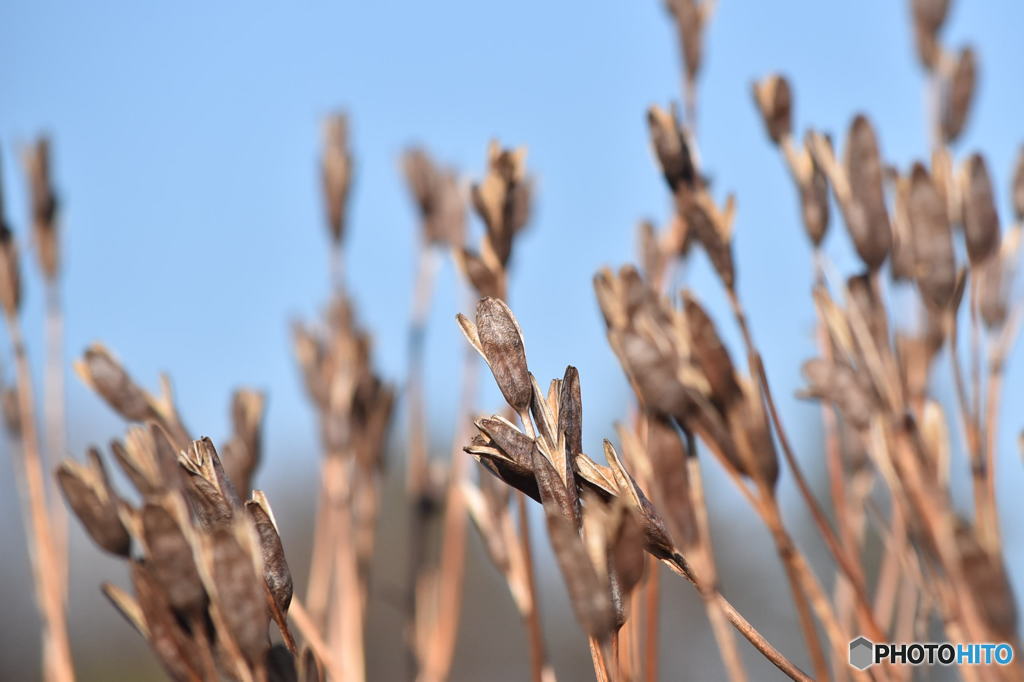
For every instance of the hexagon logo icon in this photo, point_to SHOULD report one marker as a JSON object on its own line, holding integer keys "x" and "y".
{"x": 862, "y": 653}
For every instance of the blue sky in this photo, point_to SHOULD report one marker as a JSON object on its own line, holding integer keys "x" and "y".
{"x": 186, "y": 140}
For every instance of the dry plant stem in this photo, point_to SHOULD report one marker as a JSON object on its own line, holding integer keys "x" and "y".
{"x": 599, "y": 657}
{"x": 311, "y": 634}
{"x": 850, "y": 568}
{"x": 56, "y": 425}
{"x": 538, "y": 657}
{"x": 318, "y": 585}
{"x": 416, "y": 464}
{"x": 997, "y": 353}
{"x": 345, "y": 627}
{"x": 337, "y": 267}
{"x": 679, "y": 566}
{"x": 726, "y": 644}
{"x": 47, "y": 574}
{"x": 453, "y": 546}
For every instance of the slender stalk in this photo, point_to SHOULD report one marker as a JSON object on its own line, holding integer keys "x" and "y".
{"x": 679, "y": 566}
{"x": 453, "y": 547}
{"x": 47, "y": 574}
{"x": 652, "y": 610}
{"x": 56, "y": 423}
{"x": 538, "y": 657}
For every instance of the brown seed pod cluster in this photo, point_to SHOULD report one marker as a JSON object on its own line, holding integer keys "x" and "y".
{"x": 208, "y": 577}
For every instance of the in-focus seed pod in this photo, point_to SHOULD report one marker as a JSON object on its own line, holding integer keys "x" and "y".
{"x": 959, "y": 91}
{"x": 502, "y": 344}
{"x": 774, "y": 98}
{"x": 934, "y": 259}
{"x": 981, "y": 221}
{"x": 867, "y": 217}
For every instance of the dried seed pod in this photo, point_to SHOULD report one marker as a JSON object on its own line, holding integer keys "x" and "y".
{"x": 242, "y": 453}
{"x": 591, "y": 600}
{"x": 690, "y": 17}
{"x": 1017, "y": 188}
{"x": 840, "y": 385}
{"x": 934, "y": 258}
{"x": 710, "y": 354}
{"x": 210, "y": 494}
{"x": 166, "y": 637}
{"x": 506, "y": 452}
{"x": 814, "y": 200}
{"x": 169, "y": 557}
{"x": 235, "y": 586}
{"x": 436, "y": 193}
{"x": 336, "y": 171}
{"x": 597, "y": 477}
{"x": 275, "y": 566}
{"x": 502, "y": 346}
{"x": 657, "y": 538}
{"x": 104, "y": 374}
{"x": 775, "y": 101}
{"x": 864, "y": 300}
{"x": 990, "y": 586}
{"x": 901, "y": 260}
{"x": 10, "y": 277}
{"x": 485, "y": 280}
{"x": 43, "y": 201}
{"x": 712, "y": 227}
{"x": 981, "y": 221}
{"x": 957, "y": 96}
{"x": 670, "y": 480}
{"x": 502, "y": 199}
{"x": 928, "y": 16}
{"x": 755, "y": 449}
{"x": 671, "y": 148}
{"x": 88, "y": 492}
{"x": 570, "y": 412}
{"x": 867, "y": 218}
{"x": 993, "y": 279}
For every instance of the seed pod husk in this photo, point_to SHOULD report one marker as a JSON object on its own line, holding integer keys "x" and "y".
{"x": 105, "y": 375}
{"x": 934, "y": 258}
{"x": 775, "y": 101}
{"x": 87, "y": 491}
{"x": 10, "y": 277}
{"x": 990, "y": 586}
{"x": 689, "y": 20}
{"x": 814, "y": 209}
{"x": 275, "y": 566}
{"x": 671, "y": 148}
{"x": 957, "y": 96}
{"x": 436, "y": 193}
{"x": 169, "y": 557}
{"x": 755, "y": 450}
{"x": 710, "y": 354}
{"x": 867, "y": 218}
{"x": 502, "y": 346}
{"x": 928, "y": 16}
{"x": 166, "y": 637}
{"x": 502, "y": 199}
{"x": 241, "y": 454}
{"x": 981, "y": 221}
{"x": 336, "y": 170}
{"x": 839, "y": 384}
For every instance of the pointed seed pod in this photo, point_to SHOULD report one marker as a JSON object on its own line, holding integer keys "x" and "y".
{"x": 867, "y": 218}
{"x": 169, "y": 558}
{"x": 775, "y": 101}
{"x": 502, "y": 346}
{"x": 275, "y": 566}
{"x": 671, "y": 148}
{"x": 10, "y": 277}
{"x": 106, "y": 376}
{"x": 814, "y": 207}
{"x": 957, "y": 96}
{"x": 934, "y": 258}
{"x": 336, "y": 171}
{"x": 43, "y": 201}
{"x": 87, "y": 491}
{"x": 981, "y": 221}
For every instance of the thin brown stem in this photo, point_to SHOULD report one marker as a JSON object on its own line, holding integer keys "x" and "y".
{"x": 46, "y": 573}
{"x": 538, "y": 657}
{"x": 56, "y": 424}
{"x": 679, "y": 566}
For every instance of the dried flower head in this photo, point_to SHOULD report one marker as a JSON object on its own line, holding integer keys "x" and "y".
{"x": 499, "y": 340}
{"x": 671, "y": 148}
{"x": 502, "y": 200}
